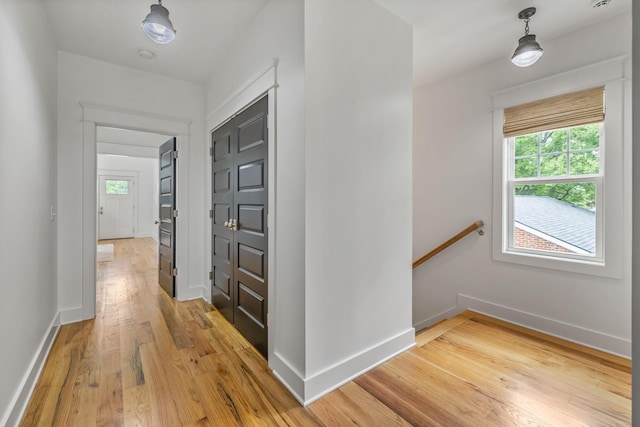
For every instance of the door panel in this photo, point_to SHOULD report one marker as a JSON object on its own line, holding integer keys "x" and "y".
{"x": 222, "y": 290}
{"x": 246, "y": 304}
{"x": 167, "y": 231}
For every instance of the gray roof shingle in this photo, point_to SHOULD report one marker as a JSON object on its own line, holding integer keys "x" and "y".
{"x": 558, "y": 219}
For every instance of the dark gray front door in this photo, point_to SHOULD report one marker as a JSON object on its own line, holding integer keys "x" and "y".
{"x": 239, "y": 222}
{"x": 167, "y": 226}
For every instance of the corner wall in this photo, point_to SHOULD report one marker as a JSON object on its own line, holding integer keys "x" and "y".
{"x": 358, "y": 114}
{"x": 453, "y": 173}
{"x": 28, "y": 308}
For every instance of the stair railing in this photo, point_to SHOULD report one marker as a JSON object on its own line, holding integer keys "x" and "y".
{"x": 476, "y": 226}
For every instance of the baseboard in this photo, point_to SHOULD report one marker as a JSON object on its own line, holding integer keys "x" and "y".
{"x": 28, "y": 383}
{"x": 288, "y": 376}
{"x": 72, "y": 315}
{"x": 190, "y": 293}
{"x": 453, "y": 311}
{"x": 587, "y": 337}
{"x": 143, "y": 235}
{"x": 333, "y": 377}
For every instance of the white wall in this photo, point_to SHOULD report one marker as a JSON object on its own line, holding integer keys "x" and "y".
{"x": 453, "y": 174}
{"x": 277, "y": 32}
{"x": 635, "y": 397}
{"x": 28, "y": 174}
{"x": 129, "y": 90}
{"x": 358, "y": 113}
{"x": 146, "y": 172}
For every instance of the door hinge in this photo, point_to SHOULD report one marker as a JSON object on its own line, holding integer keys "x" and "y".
{"x": 175, "y": 154}
{"x": 175, "y": 271}
{"x": 175, "y": 213}
{"x": 210, "y": 213}
{"x": 211, "y": 275}
{"x": 211, "y": 151}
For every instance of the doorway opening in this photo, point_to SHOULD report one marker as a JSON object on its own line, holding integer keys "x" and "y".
{"x": 129, "y": 194}
{"x": 96, "y": 116}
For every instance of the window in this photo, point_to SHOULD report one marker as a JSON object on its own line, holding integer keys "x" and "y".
{"x": 117, "y": 187}
{"x": 559, "y": 172}
{"x": 555, "y": 180}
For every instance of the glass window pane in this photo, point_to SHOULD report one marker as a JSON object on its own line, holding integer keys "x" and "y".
{"x": 558, "y": 218}
{"x": 585, "y": 137}
{"x": 554, "y": 141}
{"x": 584, "y": 163}
{"x": 526, "y": 145}
{"x": 526, "y": 168}
{"x": 553, "y": 165}
{"x": 117, "y": 187}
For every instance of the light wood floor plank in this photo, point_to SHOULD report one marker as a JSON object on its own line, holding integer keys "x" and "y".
{"x": 148, "y": 360}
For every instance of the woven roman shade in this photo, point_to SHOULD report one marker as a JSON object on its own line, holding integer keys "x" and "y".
{"x": 572, "y": 109}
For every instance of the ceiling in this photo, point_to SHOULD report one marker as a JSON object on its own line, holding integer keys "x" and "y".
{"x": 110, "y": 30}
{"x": 450, "y": 36}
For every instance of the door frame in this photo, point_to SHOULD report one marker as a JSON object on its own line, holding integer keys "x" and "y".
{"x": 263, "y": 82}
{"x": 98, "y": 115}
{"x": 129, "y": 175}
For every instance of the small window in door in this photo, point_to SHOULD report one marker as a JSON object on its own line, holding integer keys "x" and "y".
{"x": 117, "y": 187}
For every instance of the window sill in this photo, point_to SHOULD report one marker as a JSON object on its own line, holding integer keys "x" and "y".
{"x": 595, "y": 267}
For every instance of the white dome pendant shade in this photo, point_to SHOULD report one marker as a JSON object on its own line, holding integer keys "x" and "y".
{"x": 528, "y": 50}
{"x": 157, "y": 25}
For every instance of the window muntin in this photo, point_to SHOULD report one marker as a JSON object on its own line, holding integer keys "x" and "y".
{"x": 554, "y": 187}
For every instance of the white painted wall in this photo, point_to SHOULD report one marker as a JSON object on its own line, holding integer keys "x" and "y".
{"x": 452, "y": 163}
{"x": 358, "y": 113}
{"x": 28, "y": 174}
{"x": 146, "y": 172}
{"x": 277, "y": 32}
{"x": 131, "y": 90}
{"x": 635, "y": 397}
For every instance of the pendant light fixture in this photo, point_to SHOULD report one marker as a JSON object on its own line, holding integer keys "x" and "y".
{"x": 528, "y": 50}
{"x": 157, "y": 25}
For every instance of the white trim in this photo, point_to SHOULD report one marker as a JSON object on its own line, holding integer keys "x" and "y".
{"x": 290, "y": 377}
{"x": 92, "y": 116}
{"x": 333, "y": 377}
{"x": 191, "y": 293}
{"x": 262, "y": 78}
{"x": 72, "y": 315}
{"x": 610, "y": 73}
{"x": 18, "y": 404}
{"x": 263, "y": 82}
{"x": 569, "y": 81}
{"x": 577, "y": 334}
{"x": 122, "y": 118}
{"x": 430, "y": 321}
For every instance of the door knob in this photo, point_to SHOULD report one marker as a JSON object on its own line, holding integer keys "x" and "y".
{"x": 156, "y": 222}
{"x": 234, "y": 224}
{"x": 226, "y": 224}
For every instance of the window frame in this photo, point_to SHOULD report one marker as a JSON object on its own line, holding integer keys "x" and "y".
{"x": 512, "y": 182}
{"x": 610, "y": 200}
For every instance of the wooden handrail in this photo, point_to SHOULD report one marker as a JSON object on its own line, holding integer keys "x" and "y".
{"x": 473, "y": 227}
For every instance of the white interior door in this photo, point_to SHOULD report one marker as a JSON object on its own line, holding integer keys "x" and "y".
{"x": 116, "y": 207}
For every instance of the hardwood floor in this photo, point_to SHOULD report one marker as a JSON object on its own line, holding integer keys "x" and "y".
{"x": 147, "y": 360}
